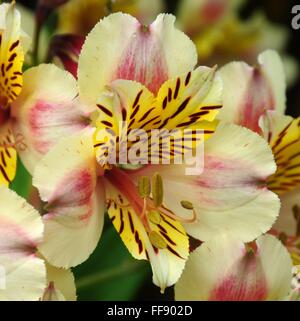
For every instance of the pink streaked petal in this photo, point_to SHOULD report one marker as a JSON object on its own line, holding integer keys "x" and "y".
{"x": 224, "y": 269}
{"x": 150, "y": 55}
{"x": 47, "y": 109}
{"x": 250, "y": 91}
{"x": 151, "y": 71}
{"x": 231, "y": 193}
{"x": 246, "y": 282}
{"x": 67, "y": 180}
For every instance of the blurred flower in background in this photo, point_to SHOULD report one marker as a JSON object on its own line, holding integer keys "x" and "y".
{"x": 221, "y": 35}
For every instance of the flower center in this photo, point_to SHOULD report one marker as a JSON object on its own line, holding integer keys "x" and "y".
{"x": 147, "y": 201}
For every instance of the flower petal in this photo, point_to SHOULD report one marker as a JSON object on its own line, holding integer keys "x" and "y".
{"x": 188, "y": 102}
{"x": 224, "y": 270}
{"x": 11, "y": 54}
{"x": 283, "y": 134}
{"x": 47, "y": 109}
{"x": 67, "y": 49}
{"x": 149, "y": 55}
{"x": 231, "y": 193}
{"x": 167, "y": 263}
{"x": 8, "y": 155}
{"x": 240, "y": 81}
{"x": 287, "y": 222}
{"x": 63, "y": 281}
{"x": 66, "y": 178}
{"x": 22, "y": 273}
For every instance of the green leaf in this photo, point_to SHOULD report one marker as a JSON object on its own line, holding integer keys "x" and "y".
{"x": 110, "y": 273}
{"x": 22, "y": 182}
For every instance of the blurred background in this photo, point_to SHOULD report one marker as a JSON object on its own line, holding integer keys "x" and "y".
{"x": 238, "y": 31}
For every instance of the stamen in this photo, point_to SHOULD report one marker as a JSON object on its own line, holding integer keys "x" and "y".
{"x": 187, "y": 205}
{"x": 154, "y": 217}
{"x": 170, "y": 214}
{"x": 157, "y": 240}
{"x": 144, "y": 186}
{"x": 144, "y": 208}
{"x": 157, "y": 189}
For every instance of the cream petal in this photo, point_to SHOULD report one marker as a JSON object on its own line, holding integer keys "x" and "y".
{"x": 47, "y": 109}
{"x": 150, "y": 55}
{"x": 240, "y": 81}
{"x": 63, "y": 281}
{"x": 22, "y": 273}
{"x": 66, "y": 178}
{"x": 223, "y": 269}
{"x": 231, "y": 193}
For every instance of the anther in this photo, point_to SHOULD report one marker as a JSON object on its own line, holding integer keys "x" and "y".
{"x": 157, "y": 189}
{"x": 187, "y": 205}
{"x": 157, "y": 240}
{"x": 154, "y": 217}
{"x": 144, "y": 186}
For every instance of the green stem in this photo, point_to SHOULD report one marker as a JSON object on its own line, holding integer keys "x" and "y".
{"x": 36, "y": 43}
{"x": 122, "y": 269}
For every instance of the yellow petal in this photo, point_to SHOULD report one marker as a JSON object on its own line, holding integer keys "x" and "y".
{"x": 11, "y": 55}
{"x": 167, "y": 263}
{"x": 8, "y": 155}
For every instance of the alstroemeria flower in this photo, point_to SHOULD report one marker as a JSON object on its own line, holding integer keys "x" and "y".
{"x": 23, "y": 274}
{"x": 12, "y": 43}
{"x": 76, "y": 200}
{"x": 225, "y": 269}
{"x": 78, "y": 183}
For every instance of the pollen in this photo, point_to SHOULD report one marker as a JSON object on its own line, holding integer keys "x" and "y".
{"x": 157, "y": 189}
{"x": 157, "y": 240}
{"x": 187, "y": 205}
{"x": 144, "y": 186}
{"x": 154, "y": 217}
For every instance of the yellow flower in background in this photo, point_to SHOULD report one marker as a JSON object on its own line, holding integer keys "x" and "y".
{"x": 222, "y": 36}
{"x": 11, "y": 62}
{"x": 80, "y": 16}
